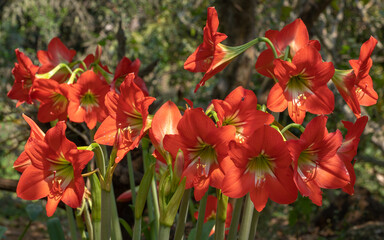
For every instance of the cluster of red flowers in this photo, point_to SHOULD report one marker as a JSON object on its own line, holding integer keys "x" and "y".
{"x": 231, "y": 146}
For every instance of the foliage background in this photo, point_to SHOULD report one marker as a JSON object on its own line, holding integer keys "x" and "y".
{"x": 162, "y": 34}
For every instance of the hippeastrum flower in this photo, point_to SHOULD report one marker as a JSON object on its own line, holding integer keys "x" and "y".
{"x": 23, "y": 161}
{"x": 210, "y": 213}
{"x": 302, "y": 85}
{"x": 125, "y": 67}
{"x": 204, "y": 145}
{"x": 57, "y": 53}
{"x": 211, "y": 56}
{"x": 261, "y": 166}
{"x": 348, "y": 148}
{"x": 55, "y": 171}
{"x": 86, "y": 99}
{"x": 316, "y": 162}
{"x": 128, "y": 118}
{"x": 53, "y": 98}
{"x": 164, "y": 122}
{"x": 294, "y": 35}
{"x": 93, "y": 61}
{"x": 355, "y": 85}
{"x": 24, "y": 72}
{"x": 239, "y": 109}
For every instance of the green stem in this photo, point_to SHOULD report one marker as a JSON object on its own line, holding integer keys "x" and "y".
{"x": 73, "y": 75}
{"x": 88, "y": 222}
{"x": 131, "y": 177}
{"x": 247, "y": 218}
{"x": 235, "y": 218}
{"x": 105, "y": 214}
{"x": 221, "y": 215}
{"x": 301, "y": 128}
{"x": 240, "y": 49}
{"x": 153, "y": 207}
{"x": 255, "y": 221}
{"x": 200, "y": 219}
{"x": 180, "y": 225}
{"x": 116, "y": 230}
{"x": 25, "y": 230}
{"x": 71, "y": 221}
{"x": 164, "y": 232}
{"x": 137, "y": 229}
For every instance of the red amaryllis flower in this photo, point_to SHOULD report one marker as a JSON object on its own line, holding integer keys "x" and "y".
{"x": 210, "y": 213}
{"x": 55, "y": 171}
{"x": 128, "y": 118}
{"x": 86, "y": 99}
{"x": 57, "y": 53}
{"x": 164, "y": 122}
{"x": 95, "y": 60}
{"x": 260, "y": 166}
{"x": 295, "y": 35}
{"x": 302, "y": 85}
{"x": 24, "y": 72}
{"x": 355, "y": 85}
{"x": 125, "y": 67}
{"x": 316, "y": 162}
{"x": 348, "y": 149}
{"x": 23, "y": 161}
{"x": 210, "y": 57}
{"x": 53, "y": 98}
{"x": 239, "y": 109}
{"x": 204, "y": 145}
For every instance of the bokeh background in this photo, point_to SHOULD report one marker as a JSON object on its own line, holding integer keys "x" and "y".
{"x": 162, "y": 34}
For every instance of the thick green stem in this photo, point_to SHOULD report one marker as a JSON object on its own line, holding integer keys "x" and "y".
{"x": 137, "y": 229}
{"x": 180, "y": 225}
{"x": 164, "y": 232}
{"x": 232, "y": 234}
{"x": 255, "y": 221}
{"x": 247, "y": 218}
{"x": 116, "y": 230}
{"x": 200, "y": 219}
{"x": 131, "y": 178}
{"x": 105, "y": 214}
{"x": 221, "y": 215}
{"x": 71, "y": 221}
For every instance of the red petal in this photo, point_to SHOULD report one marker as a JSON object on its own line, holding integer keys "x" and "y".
{"x": 32, "y": 184}
{"x": 276, "y": 100}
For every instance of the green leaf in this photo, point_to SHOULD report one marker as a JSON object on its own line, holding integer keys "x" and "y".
{"x": 126, "y": 226}
{"x": 33, "y": 210}
{"x": 2, "y": 231}
{"x": 54, "y": 229}
{"x": 207, "y": 227}
{"x": 142, "y": 194}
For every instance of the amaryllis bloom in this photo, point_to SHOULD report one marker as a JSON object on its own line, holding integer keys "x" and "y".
{"x": 239, "y": 109}
{"x": 260, "y": 166}
{"x": 92, "y": 60}
{"x": 164, "y": 122}
{"x": 302, "y": 85}
{"x": 295, "y": 35}
{"x": 57, "y": 53}
{"x": 23, "y": 161}
{"x": 348, "y": 149}
{"x": 355, "y": 85}
{"x": 211, "y": 56}
{"x": 24, "y": 73}
{"x": 204, "y": 145}
{"x": 210, "y": 213}
{"x": 53, "y": 98}
{"x": 125, "y": 67}
{"x": 128, "y": 118}
{"x": 86, "y": 99}
{"x": 55, "y": 171}
{"x": 316, "y": 162}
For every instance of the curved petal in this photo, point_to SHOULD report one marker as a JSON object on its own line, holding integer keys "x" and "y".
{"x": 32, "y": 184}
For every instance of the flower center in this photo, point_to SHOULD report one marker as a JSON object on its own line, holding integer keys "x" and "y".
{"x": 307, "y": 165}
{"x": 89, "y": 100}
{"x": 204, "y": 154}
{"x": 59, "y": 100}
{"x": 261, "y": 165}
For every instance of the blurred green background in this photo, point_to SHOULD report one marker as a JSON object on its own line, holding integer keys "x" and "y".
{"x": 162, "y": 34}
